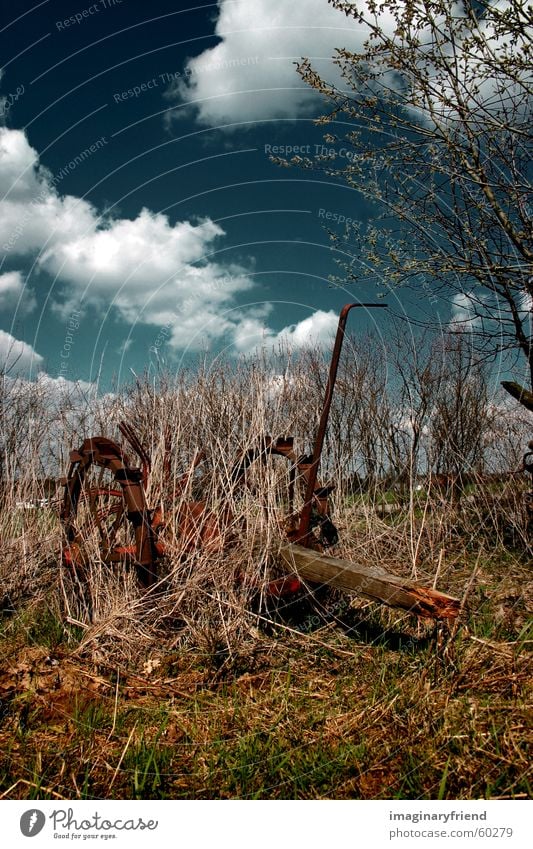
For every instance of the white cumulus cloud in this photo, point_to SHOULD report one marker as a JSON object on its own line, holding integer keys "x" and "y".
{"x": 250, "y": 74}
{"x": 149, "y": 270}
{"x": 17, "y": 357}
{"x": 33, "y": 215}
{"x": 13, "y": 294}
{"x": 318, "y": 329}
{"x": 464, "y": 315}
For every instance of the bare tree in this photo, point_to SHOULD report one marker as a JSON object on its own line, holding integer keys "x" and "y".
{"x": 415, "y": 378}
{"x": 461, "y": 415}
{"x": 439, "y": 102}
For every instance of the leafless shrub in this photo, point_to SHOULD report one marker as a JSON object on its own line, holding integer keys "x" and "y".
{"x": 389, "y": 429}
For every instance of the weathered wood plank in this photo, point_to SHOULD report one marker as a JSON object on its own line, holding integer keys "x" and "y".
{"x": 370, "y": 582}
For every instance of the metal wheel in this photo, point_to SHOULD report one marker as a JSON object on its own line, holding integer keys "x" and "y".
{"x": 104, "y": 511}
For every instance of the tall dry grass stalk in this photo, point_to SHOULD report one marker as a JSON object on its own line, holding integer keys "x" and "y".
{"x": 209, "y": 597}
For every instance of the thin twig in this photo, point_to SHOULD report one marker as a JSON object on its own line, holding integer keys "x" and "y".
{"x": 116, "y": 707}
{"x": 32, "y": 784}
{"x": 122, "y": 756}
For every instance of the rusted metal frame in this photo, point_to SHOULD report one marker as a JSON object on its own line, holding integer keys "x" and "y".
{"x": 284, "y": 448}
{"x": 109, "y": 455}
{"x": 107, "y": 534}
{"x": 304, "y": 530}
{"x": 99, "y": 516}
{"x": 73, "y": 489}
{"x": 299, "y": 469}
{"x": 138, "y": 514}
{"x": 320, "y": 511}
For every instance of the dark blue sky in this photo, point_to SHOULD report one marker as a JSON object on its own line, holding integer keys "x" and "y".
{"x": 140, "y": 214}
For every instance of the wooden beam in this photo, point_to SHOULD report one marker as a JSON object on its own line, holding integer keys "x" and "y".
{"x": 372, "y": 583}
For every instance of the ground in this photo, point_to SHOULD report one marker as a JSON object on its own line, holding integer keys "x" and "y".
{"x": 343, "y": 699}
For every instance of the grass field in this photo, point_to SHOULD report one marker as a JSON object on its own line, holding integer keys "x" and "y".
{"x": 198, "y": 688}
{"x": 336, "y": 699}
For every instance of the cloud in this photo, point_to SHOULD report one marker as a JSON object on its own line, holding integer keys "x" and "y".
{"x": 49, "y": 415}
{"x": 54, "y": 392}
{"x": 525, "y": 303}
{"x": 58, "y": 388}
{"x": 493, "y": 67}
{"x": 13, "y": 294}
{"x": 318, "y": 329}
{"x": 277, "y": 385}
{"x": 16, "y": 357}
{"x": 149, "y": 270}
{"x": 32, "y": 214}
{"x": 250, "y": 74}
{"x": 20, "y": 178}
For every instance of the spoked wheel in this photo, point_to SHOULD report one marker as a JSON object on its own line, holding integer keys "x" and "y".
{"x": 100, "y": 524}
{"x": 104, "y": 512}
{"x": 299, "y": 467}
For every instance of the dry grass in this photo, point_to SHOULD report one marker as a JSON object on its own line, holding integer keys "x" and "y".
{"x": 372, "y": 713}
{"x": 199, "y": 688}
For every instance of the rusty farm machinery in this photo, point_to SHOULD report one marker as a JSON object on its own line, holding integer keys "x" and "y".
{"x": 112, "y": 506}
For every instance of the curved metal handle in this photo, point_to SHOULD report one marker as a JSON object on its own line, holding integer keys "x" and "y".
{"x": 305, "y": 516}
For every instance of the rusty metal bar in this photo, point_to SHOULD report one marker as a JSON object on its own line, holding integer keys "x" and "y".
{"x": 305, "y": 516}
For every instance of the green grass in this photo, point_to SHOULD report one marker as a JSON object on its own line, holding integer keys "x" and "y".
{"x": 389, "y": 709}
{"x": 353, "y": 731}
{"x": 148, "y": 763}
